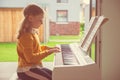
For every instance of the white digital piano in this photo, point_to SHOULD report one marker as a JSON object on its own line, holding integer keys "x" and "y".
{"x": 74, "y": 62}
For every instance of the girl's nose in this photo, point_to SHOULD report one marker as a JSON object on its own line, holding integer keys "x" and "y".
{"x": 41, "y": 21}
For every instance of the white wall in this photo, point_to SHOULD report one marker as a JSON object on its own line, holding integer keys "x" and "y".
{"x": 87, "y": 16}
{"x": 73, "y": 7}
{"x": 21, "y": 3}
{"x": 111, "y": 40}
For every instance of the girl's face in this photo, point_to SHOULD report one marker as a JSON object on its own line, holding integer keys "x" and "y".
{"x": 36, "y": 21}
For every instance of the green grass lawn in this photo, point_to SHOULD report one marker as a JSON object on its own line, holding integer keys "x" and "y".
{"x": 93, "y": 51}
{"x": 68, "y": 37}
{"x": 8, "y": 51}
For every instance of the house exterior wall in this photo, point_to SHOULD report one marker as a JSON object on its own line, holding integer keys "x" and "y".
{"x": 65, "y": 28}
{"x": 73, "y": 7}
{"x": 72, "y": 28}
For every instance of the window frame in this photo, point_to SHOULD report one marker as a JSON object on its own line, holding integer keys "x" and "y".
{"x": 57, "y": 16}
{"x": 61, "y": 1}
{"x": 97, "y": 39}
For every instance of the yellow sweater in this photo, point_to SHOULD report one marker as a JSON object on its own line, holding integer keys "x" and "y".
{"x": 30, "y": 53}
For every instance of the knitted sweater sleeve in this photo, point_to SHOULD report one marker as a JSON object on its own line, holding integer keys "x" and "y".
{"x": 28, "y": 50}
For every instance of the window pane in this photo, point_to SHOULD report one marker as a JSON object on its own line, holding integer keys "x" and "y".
{"x": 62, "y": 15}
{"x": 58, "y": 1}
{"x": 62, "y": 1}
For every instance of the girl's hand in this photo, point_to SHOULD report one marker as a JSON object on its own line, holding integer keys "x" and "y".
{"x": 54, "y": 49}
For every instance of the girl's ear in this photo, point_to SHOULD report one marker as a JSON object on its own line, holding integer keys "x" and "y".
{"x": 30, "y": 18}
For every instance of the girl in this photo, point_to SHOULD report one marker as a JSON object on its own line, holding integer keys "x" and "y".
{"x": 30, "y": 53}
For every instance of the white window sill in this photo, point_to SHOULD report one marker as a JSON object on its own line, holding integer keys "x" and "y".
{"x": 61, "y": 22}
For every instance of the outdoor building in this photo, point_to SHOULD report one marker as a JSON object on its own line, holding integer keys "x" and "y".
{"x": 62, "y": 18}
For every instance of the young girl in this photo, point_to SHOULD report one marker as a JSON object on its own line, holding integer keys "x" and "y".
{"x": 30, "y": 53}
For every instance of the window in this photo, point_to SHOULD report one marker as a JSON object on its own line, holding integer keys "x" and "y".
{"x": 95, "y": 8}
{"x": 93, "y": 11}
{"x": 62, "y": 15}
{"x": 62, "y": 1}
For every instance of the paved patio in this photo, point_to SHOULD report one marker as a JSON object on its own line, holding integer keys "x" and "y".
{"x": 8, "y": 69}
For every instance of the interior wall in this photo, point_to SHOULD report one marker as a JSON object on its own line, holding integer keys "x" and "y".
{"x": 111, "y": 40}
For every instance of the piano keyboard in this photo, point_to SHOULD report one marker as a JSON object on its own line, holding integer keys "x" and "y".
{"x": 72, "y": 55}
{"x": 68, "y": 56}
